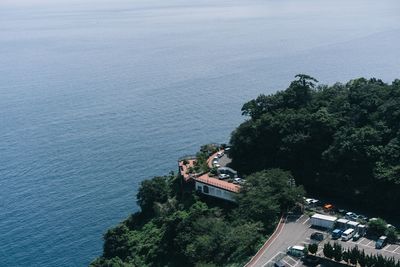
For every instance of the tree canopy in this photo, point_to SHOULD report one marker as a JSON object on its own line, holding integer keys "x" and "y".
{"x": 338, "y": 141}
{"x": 175, "y": 229}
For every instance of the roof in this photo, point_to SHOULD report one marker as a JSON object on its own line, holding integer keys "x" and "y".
{"x": 353, "y": 223}
{"x": 324, "y": 217}
{"x": 341, "y": 220}
{"x": 206, "y": 179}
{"x": 298, "y": 247}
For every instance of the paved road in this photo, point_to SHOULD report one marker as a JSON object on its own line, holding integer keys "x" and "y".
{"x": 295, "y": 231}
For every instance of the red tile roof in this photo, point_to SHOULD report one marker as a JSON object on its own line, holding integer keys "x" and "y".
{"x": 205, "y": 178}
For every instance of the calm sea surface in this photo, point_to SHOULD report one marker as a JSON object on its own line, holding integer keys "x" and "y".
{"x": 96, "y": 96}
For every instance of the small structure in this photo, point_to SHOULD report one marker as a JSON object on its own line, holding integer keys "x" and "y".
{"x": 352, "y": 225}
{"x": 362, "y": 229}
{"x": 323, "y": 221}
{"x": 328, "y": 207}
{"x": 205, "y": 183}
{"x": 342, "y": 223}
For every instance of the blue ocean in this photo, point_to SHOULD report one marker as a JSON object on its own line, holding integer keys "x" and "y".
{"x": 96, "y": 96}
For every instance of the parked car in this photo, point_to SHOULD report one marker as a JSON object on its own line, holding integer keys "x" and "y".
{"x": 317, "y": 236}
{"x": 356, "y": 237}
{"x": 296, "y": 251}
{"x": 279, "y": 264}
{"x": 337, "y": 233}
{"x": 381, "y": 242}
{"x": 237, "y": 180}
{"x": 351, "y": 216}
{"x": 223, "y": 176}
{"x": 348, "y": 234}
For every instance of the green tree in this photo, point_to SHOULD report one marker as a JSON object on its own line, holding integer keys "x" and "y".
{"x": 265, "y": 194}
{"x": 377, "y": 227}
{"x": 313, "y": 248}
{"x": 151, "y": 191}
{"x": 391, "y": 234}
{"x": 337, "y": 252}
{"x": 328, "y": 251}
{"x": 362, "y": 261}
{"x": 353, "y": 255}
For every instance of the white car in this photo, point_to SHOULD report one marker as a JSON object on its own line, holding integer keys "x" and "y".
{"x": 223, "y": 176}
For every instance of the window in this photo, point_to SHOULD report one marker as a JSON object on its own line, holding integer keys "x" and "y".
{"x": 205, "y": 189}
{"x": 199, "y": 188}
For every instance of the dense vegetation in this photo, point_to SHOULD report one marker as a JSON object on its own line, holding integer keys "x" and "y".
{"x": 340, "y": 141}
{"x": 354, "y": 256}
{"x": 178, "y": 228}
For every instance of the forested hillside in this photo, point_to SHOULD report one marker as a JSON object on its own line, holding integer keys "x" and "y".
{"x": 340, "y": 141}
{"x": 181, "y": 228}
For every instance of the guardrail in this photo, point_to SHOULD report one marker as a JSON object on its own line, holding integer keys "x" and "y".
{"x": 187, "y": 157}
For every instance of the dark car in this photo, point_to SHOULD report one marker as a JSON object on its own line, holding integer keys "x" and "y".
{"x": 317, "y": 236}
{"x": 381, "y": 242}
{"x": 356, "y": 237}
{"x": 279, "y": 264}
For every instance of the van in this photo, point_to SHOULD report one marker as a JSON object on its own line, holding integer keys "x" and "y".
{"x": 296, "y": 251}
{"x": 336, "y": 234}
{"x": 348, "y": 234}
{"x": 381, "y": 242}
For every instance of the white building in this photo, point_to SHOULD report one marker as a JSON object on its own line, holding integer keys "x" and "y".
{"x": 215, "y": 191}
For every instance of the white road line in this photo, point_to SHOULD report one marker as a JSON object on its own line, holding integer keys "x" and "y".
{"x": 386, "y": 249}
{"x": 318, "y": 252}
{"x": 362, "y": 239}
{"x": 299, "y": 218}
{"x": 396, "y": 249}
{"x": 296, "y": 263}
{"x": 306, "y": 220}
{"x": 287, "y": 263}
{"x": 272, "y": 241}
{"x": 272, "y": 258}
{"x": 292, "y": 258}
{"x": 369, "y": 243}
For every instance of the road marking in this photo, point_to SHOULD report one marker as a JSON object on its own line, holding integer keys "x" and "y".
{"x": 386, "y": 249}
{"x": 396, "y": 249}
{"x": 292, "y": 259}
{"x": 273, "y": 257}
{"x": 369, "y": 243}
{"x": 299, "y": 218}
{"x": 362, "y": 239}
{"x": 287, "y": 262}
{"x": 306, "y": 220}
{"x": 272, "y": 241}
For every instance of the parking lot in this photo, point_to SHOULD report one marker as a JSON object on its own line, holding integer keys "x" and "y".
{"x": 368, "y": 246}
{"x": 297, "y": 230}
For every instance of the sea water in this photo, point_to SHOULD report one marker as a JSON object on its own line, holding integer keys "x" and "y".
{"x": 96, "y": 96}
